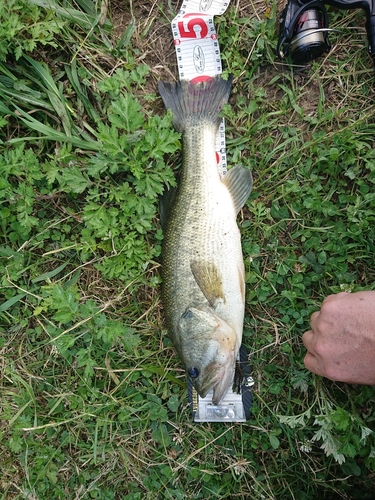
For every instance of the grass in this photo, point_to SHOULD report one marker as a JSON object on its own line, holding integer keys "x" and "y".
{"x": 93, "y": 399}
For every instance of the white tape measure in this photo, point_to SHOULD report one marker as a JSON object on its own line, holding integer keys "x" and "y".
{"x": 198, "y": 52}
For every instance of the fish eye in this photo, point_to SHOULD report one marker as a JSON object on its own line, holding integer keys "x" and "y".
{"x": 193, "y": 371}
{"x": 187, "y": 314}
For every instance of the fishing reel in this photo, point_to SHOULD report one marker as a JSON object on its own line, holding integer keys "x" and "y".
{"x": 304, "y": 27}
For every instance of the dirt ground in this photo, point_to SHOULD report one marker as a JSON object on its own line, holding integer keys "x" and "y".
{"x": 154, "y": 18}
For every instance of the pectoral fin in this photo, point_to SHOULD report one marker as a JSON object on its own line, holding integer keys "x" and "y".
{"x": 239, "y": 182}
{"x": 207, "y": 276}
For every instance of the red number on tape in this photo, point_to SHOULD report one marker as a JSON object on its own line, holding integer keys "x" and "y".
{"x": 190, "y": 32}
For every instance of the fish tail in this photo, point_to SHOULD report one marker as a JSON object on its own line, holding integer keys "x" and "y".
{"x": 198, "y": 100}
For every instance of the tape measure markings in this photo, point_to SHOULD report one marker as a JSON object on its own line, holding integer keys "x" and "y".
{"x": 198, "y": 52}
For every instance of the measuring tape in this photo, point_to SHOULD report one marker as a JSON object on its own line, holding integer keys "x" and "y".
{"x": 198, "y": 52}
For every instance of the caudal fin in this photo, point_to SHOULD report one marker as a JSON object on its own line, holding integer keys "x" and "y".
{"x": 202, "y": 100}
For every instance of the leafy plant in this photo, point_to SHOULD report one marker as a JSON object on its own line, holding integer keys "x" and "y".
{"x": 24, "y": 26}
{"x": 117, "y": 216}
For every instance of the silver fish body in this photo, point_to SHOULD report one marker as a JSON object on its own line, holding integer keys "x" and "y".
{"x": 202, "y": 264}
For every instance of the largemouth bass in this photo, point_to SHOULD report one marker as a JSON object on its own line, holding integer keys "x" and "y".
{"x": 203, "y": 290}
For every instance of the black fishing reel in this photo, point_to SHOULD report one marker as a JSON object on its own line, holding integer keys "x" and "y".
{"x": 304, "y": 27}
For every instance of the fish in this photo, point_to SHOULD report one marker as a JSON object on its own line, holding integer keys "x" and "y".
{"x": 203, "y": 276}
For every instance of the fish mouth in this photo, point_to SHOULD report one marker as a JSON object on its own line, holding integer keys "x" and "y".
{"x": 217, "y": 377}
{"x": 221, "y": 388}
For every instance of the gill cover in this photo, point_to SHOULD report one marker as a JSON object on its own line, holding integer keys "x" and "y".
{"x": 208, "y": 345}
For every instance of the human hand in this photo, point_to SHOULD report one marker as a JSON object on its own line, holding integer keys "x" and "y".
{"x": 341, "y": 343}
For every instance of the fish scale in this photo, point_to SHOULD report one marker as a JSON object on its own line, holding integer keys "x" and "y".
{"x": 202, "y": 268}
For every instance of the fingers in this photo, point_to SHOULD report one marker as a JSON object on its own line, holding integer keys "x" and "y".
{"x": 341, "y": 342}
{"x": 311, "y": 363}
{"x": 310, "y": 360}
{"x": 307, "y": 339}
{"x": 314, "y": 361}
{"x": 314, "y": 318}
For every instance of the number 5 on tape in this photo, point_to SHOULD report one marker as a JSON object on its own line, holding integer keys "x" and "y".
{"x": 194, "y": 28}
